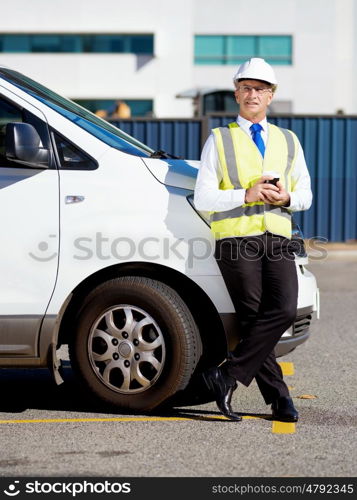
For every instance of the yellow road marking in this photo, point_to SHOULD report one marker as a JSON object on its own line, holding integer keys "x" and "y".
{"x": 277, "y": 428}
{"x": 118, "y": 419}
{"x": 283, "y": 427}
{"x": 287, "y": 368}
{"x": 71, "y": 420}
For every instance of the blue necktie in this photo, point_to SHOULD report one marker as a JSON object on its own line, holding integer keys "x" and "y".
{"x": 257, "y": 138}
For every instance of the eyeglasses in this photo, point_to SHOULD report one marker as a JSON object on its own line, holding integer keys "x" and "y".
{"x": 246, "y": 89}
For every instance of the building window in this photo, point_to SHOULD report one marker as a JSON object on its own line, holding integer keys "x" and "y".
{"x": 129, "y": 44}
{"x": 221, "y": 101}
{"x": 227, "y": 49}
{"x": 118, "y": 108}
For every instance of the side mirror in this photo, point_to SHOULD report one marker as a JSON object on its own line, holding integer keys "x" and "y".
{"x": 23, "y": 145}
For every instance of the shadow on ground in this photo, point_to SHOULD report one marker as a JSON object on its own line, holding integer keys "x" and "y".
{"x": 26, "y": 389}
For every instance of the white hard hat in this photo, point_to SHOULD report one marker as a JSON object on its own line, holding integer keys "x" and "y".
{"x": 256, "y": 69}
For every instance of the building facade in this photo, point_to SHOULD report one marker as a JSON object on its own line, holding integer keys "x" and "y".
{"x": 174, "y": 59}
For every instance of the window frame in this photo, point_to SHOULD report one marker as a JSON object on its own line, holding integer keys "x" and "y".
{"x": 84, "y": 42}
{"x": 226, "y": 59}
{"x": 53, "y": 131}
{"x": 99, "y": 103}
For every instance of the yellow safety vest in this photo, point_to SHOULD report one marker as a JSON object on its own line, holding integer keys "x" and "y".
{"x": 242, "y": 165}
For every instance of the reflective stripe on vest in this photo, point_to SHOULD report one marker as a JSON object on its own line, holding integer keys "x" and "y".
{"x": 242, "y": 165}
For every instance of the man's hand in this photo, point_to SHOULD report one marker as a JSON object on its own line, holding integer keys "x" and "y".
{"x": 280, "y": 198}
{"x": 261, "y": 191}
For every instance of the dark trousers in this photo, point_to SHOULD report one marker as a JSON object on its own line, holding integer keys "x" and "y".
{"x": 261, "y": 278}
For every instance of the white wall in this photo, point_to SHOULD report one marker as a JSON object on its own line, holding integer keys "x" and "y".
{"x": 322, "y": 76}
{"x": 321, "y": 79}
{"x": 109, "y": 75}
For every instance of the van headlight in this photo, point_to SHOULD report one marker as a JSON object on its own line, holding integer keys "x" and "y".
{"x": 298, "y": 240}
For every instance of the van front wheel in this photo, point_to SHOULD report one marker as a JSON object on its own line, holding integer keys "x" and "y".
{"x": 135, "y": 343}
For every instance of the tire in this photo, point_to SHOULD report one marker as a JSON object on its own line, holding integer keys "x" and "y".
{"x": 135, "y": 343}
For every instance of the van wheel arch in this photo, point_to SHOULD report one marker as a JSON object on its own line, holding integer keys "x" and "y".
{"x": 210, "y": 326}
{"x": 135, "y": 343}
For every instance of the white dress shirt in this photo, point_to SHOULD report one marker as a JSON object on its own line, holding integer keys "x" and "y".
{"x": 209, "y": 197}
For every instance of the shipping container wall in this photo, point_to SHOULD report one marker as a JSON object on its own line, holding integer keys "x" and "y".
{"x": 178, "y": 137}
{"x": 330, "y": 147}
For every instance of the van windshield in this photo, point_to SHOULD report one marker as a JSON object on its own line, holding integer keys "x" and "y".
{"x": 96, "y": 126}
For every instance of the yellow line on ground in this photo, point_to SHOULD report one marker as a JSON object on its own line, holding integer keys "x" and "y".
{"x": 287, "y": 368}
{"x": 70, "y": 420}
{"x": 117, "y": 419}
{"x": 283, "y": 427}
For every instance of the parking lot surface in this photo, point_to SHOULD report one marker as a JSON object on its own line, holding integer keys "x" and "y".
{"x": 53, "y": 431}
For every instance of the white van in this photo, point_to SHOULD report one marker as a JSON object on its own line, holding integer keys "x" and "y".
{"x": 102, "y": 250}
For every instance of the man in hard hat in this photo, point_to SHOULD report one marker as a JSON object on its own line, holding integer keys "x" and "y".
{"x": 253, "y": 175}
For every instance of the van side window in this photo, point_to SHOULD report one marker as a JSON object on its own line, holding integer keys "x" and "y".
{"x": 70, "y": 157}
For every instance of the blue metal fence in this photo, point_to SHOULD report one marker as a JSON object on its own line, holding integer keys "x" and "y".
{"x": 179, "y": 137}
{"x": 330, "y": 147}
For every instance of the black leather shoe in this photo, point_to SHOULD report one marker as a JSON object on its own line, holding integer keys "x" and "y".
{"x": 284, "y": 410}
{"x": 222, "y": 386}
